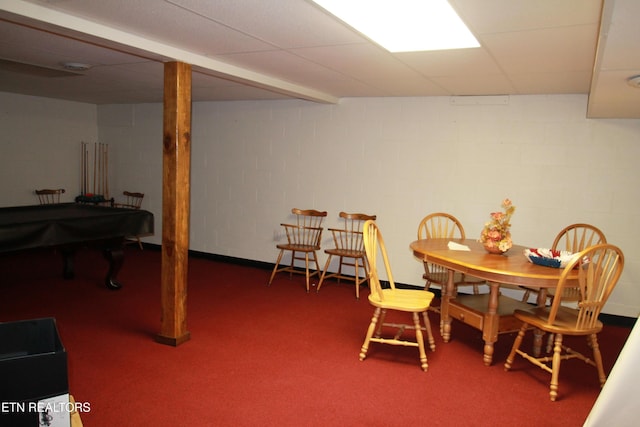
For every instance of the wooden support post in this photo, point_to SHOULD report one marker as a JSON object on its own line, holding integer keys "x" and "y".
{"x": 176, "y": 156}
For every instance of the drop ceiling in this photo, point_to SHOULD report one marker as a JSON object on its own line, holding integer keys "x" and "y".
{"x": 281, "y": 49}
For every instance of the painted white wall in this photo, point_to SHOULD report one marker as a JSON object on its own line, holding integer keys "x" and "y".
{"x": 40, "y": 146}
{"x": 399, "y": 158}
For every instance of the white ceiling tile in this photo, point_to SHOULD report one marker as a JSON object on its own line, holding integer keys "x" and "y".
{"x": 474, "y": 84}
{"x": 257, "y": 49}
{"x": 545, "y": 50}
{"x": 548, "y": 83}
{"x": 503, "y": 16}
{"x": 450, "y": 62}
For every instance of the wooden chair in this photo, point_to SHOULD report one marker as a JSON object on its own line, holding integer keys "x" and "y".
{"x": 131, "y": 200}
{"x": 349, "y": 248}
{"x": 303, "y": 241}
{"x": 572, "y": 238}
{"x": 441, "y": 225}
{"x": 48, "y": 196}
{"x": 598, "y": 268}
{"x": 415, "y": 302}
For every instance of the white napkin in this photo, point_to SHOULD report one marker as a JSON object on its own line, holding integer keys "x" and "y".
{"x": 457, "y": 247}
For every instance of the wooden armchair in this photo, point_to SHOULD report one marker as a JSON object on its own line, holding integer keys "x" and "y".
{"x": 598, "y": 269}
{"x": 349, "y": 248}
{"x": 303, "y": 241}
{"x": 131, "y": 200}
{"x": 49, "y": 196}
{"x": 411, "y": 301}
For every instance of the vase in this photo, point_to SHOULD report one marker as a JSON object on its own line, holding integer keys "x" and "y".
{"x": 493, "y": 248}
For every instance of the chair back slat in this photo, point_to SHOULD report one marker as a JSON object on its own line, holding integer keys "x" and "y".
{"x": 440, "y": 225}
{"x": 132, "y": 200}
{"x": 307, "y": 230}
{"x": 349, "y": 237}
{"x": 577, "y": 237}
{"x": 599, "y": 268}
{"x": 303, "y": 236}
{"x": 49, "y": 196}
{"x": 374, "y": 248}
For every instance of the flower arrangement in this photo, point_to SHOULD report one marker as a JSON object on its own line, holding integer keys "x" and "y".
{"x": 496, "y": 235}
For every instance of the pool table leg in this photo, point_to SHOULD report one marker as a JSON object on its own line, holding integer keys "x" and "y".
{"x": 115, "y": 256}
{"x": 68, "y": 271}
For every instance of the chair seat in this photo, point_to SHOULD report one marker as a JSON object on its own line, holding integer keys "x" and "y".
{"x": 564, "y": 323}
{"x": 297, "y": 247}
{"x": 403, "y": 299}
{"x": 351, "y": 253}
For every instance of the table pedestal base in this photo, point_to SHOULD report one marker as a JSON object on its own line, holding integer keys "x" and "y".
{"x": 490, "y": 313}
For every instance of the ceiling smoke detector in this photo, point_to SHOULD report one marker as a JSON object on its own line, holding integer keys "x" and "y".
{"x": 634, "y": 81}
{"x": 75, "y": 66}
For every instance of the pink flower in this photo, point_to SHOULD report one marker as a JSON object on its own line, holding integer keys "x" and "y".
{"x": 494, "y": 235}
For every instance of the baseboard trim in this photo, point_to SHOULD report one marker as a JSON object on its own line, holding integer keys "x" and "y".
{"x": 607, "y": 319}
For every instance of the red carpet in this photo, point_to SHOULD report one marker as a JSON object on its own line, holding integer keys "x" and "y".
{"x": 272, "y": 355}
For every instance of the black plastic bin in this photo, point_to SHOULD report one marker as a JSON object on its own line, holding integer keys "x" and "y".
{"x": 33, "y": 367}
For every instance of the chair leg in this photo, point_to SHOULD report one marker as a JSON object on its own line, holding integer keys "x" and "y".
{"x": 537, "y": 342}
{"x": 427, "y": 323}
{"x": 370, "y": 330}
{"x": 293, "y": 260}
{"x": 549, "y": 343}
{"x": 356, "y": 273}
{"x": 340, "y": 263}
{"x": 365, "y": 267}
{"x": 516, "y": 347}
{"x": 324, "y": 272}
{"x": 383, "y": 314}
{"x": 555, "y": 367}
{"x": 315, "y": 260}
{"x": 275, "y": 268}
{"x": 420, "y": 339}
{"x": 306, "y": 266}
{"x": 597, "y": 358}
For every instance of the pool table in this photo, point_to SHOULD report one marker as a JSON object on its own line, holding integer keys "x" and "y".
{"x": 67, "y": 226}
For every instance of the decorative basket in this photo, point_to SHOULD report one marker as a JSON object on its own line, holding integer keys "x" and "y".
{"x": 548, "y": 257}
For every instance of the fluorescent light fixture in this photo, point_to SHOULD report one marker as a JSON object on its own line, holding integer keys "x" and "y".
{"x": 404, "y": 25}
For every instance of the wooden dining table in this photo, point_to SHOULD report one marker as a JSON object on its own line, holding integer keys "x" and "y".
{"x": 490, "y": 313}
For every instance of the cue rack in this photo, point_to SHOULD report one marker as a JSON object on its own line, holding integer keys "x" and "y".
{"x": 95, "y": 180}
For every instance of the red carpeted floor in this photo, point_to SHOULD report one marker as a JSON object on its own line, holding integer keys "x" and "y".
{"x": 272, "y": 356}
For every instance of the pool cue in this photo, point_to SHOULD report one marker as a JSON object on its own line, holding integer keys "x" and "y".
{"x": 100, "y": 168}
{"x": 81, "y": 168}
{"x": 95, "y": 149}
{"x": 86, "y": 168}
{"x": 106, "y": 168}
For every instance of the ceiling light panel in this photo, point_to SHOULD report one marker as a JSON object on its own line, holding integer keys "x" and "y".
{"x": 404, "y": 25}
